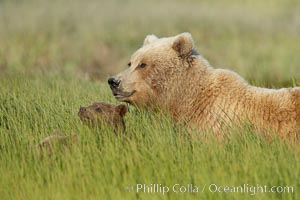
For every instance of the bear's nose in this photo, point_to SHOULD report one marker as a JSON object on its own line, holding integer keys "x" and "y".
{"x": 113, "y": 82}
{"x": 82, "y": 109}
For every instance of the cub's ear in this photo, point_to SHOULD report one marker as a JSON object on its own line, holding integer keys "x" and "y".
{"x": 149, "y": 39}
{"x": 121, "y": 110}
{"x": 56, "y": 133}
{"x": 183, "y": 44}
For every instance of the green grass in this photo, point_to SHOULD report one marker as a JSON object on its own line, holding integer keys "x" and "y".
{"x": 56, "y": 55}
{"x": 101, "y": 166}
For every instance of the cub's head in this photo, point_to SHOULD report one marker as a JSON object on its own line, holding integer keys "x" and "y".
{"x": 56, "y": 142}
{"x": 153, "y": 69}
{"x": 100, "y": 112}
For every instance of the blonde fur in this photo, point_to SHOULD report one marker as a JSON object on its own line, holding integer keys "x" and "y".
{"x": 181, "y": 81}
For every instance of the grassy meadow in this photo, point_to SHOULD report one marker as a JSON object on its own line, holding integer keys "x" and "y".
{"x": 57, "y": 55}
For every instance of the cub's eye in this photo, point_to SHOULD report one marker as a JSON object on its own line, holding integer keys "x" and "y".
{"x": 142, "y": 65}
{"x": 129, "y": 64}
{"x": 98, "y": 109}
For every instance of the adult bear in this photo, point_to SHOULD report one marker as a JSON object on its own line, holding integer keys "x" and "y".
{"x": 167, "y": 73}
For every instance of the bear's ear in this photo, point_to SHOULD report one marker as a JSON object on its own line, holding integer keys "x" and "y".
{"x": 56, "y": 133}
{"x": 121, "y": 110}
{"x": 183, "y": 44}
{"x": 149, "y": 39}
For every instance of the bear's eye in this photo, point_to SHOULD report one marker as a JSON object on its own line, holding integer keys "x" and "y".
{"x": 98, "y": 109}
{"x": 129, "y": 64}
{"x": 142, "y": 65}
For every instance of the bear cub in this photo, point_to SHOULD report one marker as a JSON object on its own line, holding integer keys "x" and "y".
{"x": 100, "y": 112}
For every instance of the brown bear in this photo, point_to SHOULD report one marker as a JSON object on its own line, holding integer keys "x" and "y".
{"x": 100, "y": 112}
{"x": 47, "y": 144}
{"x": 94, "y": 114}
{"x": 168, "y": 73}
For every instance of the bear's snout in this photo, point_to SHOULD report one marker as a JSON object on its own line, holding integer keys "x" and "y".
{"x": 82, "y": 109}
{"x": 114, "y": 83}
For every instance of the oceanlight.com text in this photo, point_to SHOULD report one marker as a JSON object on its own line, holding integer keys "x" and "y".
{"x": 251, "y": 189}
